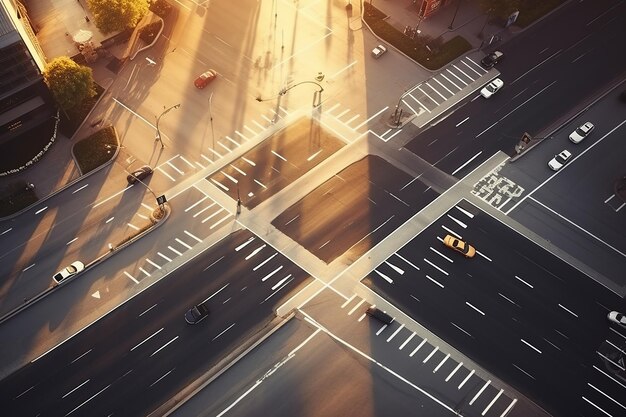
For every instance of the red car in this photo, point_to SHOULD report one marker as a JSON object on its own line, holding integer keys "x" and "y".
{"x": 204, "y": 79}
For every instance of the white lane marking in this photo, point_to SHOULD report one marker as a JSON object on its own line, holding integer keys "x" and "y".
{"x": 157, "y": 266}
{"x": 456, "y": 76}
{"x": 441, "y": 363}
{"x": 383, "y": 276}
{"x": 457, "y": 221}
{"x": 147, "y": 310}
{"x": 88, "y": 399}
{"x": 447, "y": 89}
{"x": 417, "y": 348}
{"x": 395, "y": 268}
{"x": 374, "y": 116}
{"x": 508, "y": 299}
{"x": 80, "y": 356}
{"x": 217, "y": 223}
{"x": 466, "y": 378}
{"x": 441, "y": 254}
{"x": 276, "y": 292}
{"x": 228, "y": 150}
{"x": 131, "y": 277}
{"x": 68, "y": 393}
{"x": 244, "y": 137}
{"x": 310, "y": 158}
{"x": 212, "y": 215}
{"x": 164, "y": 257}
{"x": 451, "y": 374}
{"x": 254, "y": 252}
{"x": 264, "y": 262}
{"x": 467, "y": 213}
{"x": 536, "y": 66}
{"x": 132, "y": 226}
{"x": 462, "y": 72}
{"x": 596, "y": 406}
{"x": 435, "y": 350}
{"x": 407, "y": 261}
{"x": 187, "y": 162}
{"x": 6, "y": 231}
{"x": 248, "y": 161}
{"x": 206, "y": 158}
{"x": 408, "y": 339}
{"x": 475, "y": 308}
{"x": 244, "y": 244}
{"x": 166, "y": 174}
{"x": 436, "y": 267}
{"x": 219, "y": 155}
{"x": 362, "y": 317}
{"x": 395, "y": 333}
{"x": 509, "y": 408}
{"x": 163, "y": 347}
{"x": 40, "y": 210}
{"x": 268, "y": 276}
{"x": 466, "y": 163}
{"x": 279, "y": 155}
{"x": 260, "y": 183}
{"x": 163, "y": 376}
{"x": 568, "y": 310}
{"x": 142, "y": 216}
{"x": 355, "y": 307}
{"x": 461, "y": 329}
{"x": 182, "y": 243}
{"x": 351, "y": 120}
{"x": 524, "y": 281}
{"x": 381, "y": 330}
{"x": 193, "y": 236}
{"x": 529, "y": 345}
{"x": 174, "y": 250}
{"x": 223, "y": 331}
{"x": 71, "y": 241}
{"x": 607, "y": 396}
{"x": 78, "y": 189}
{"x": 147, "y": 338}
{"x": 342, "y": 113}
{"x": 480, "y": 392}
{"x": 484, "y": 256}
{"x": 204, "y": 209}
{"x": 450, "y": 81}
{"x": 609, "y": 376}
{"x": 348, "y": 301}
{"x": 435, "y": 281}
{"x": 196, "y": 203}
{"x": 144, "y": 271}
{"x": 611, "y": 361}
{"x": 462, "y": 121}
{"x": 281, "y": 282}
{"x": 426, "y": 94}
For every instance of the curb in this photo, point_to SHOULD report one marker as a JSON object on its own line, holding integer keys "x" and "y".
{"x": 179, "y": 399}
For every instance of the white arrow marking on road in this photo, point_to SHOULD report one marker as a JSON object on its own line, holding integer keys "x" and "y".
{"x": 96, "y": 294}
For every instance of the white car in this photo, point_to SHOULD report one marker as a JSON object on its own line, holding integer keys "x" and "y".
{"x": 559, "y": 160}
{"x": 617, "y": 318}
{"x": 582, "y": 132}
{"x": 491, "y": 88}
{"x": 378, "y": 51}
{"x": 73, "y": 269}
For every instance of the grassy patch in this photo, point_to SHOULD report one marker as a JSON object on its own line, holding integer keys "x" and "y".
{"x": 15, "y": 197}
{"x": 529, "y": 11}
{"x": 70, "y": 124}
{"x": 430, "y": 53}
{"x": 92, "y": 151}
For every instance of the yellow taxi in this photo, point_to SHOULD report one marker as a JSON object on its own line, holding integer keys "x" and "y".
{"x": 459, "y": 246}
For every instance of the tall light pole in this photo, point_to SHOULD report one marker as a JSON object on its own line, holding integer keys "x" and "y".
{"x": 458, "y": 4}
{"x": 284, "y": 90}
{"x": 158, "y": 132}
{"x": 211, "y": 119}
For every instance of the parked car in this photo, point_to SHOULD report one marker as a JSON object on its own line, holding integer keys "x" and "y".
{"x": 491, "y": 88}
{"x": 379, "y": 51}
{"x": 378, "y": 314}
{"x": 204, "y": 79}
{"x": 139, "y": 174}
{"x": 559, "y": 160}
{"x": 581, "y": 132}
{"x": 492, "y": 59}
{"x": 459, "y": 246}
{"x": 71, "y": 270}
{"x": 197, "y": 313}
{"x": 617, "y": 318}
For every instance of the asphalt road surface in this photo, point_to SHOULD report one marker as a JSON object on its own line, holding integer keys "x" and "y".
{"x": 142, "y": 353}
{"x": 545, "y": 78}
{"x": 523, "y": 314}
{"x": 355, "y": 209}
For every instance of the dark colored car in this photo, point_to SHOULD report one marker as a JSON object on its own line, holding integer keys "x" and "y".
{"x": 139, "y": 174}
{"x": 492, "y": 59}
{"x": 204, "y": 79}
{"x": 197, "y": 313}
{"x": 379, "y": 315}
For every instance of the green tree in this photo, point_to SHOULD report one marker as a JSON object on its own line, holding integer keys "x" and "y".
{"x": 117, "y": 15}
{"x": 500, "y": 8}
{"x": 69, "y": 82}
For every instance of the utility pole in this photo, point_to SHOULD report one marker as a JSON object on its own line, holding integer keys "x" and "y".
{"x": 158, "y": 132}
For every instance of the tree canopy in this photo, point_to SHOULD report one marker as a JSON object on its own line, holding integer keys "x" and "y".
{"x": 69, "y": 82}
{"x": 117, "y": 15}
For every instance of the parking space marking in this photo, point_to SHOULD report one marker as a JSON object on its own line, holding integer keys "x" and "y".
{"x": 454, "y": 371}
{"x": 408, "y": 339}
{"x": 381, "y": 330}
{"x": 418, "y": 348}
{"x": 441, "y": 363}
{"x": 355, "y": 307}
{"x": 435, "y": 349}
{"x": 153, "y": 264}
{"x": 132, "y": 226}
{"x": 466, "y": 379}
{"x": 480, "y": 392}
{"x": 395, "y": 333}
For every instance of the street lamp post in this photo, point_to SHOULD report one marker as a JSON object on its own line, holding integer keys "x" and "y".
{"x": 284, "y": 90}
{"x": 158, "y": 132}
{"x": 211, "y": 120}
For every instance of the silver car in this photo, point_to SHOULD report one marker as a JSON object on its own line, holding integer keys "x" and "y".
{"x": 378, "y": 51}
{"x": 67, "y": 272}
{"x": 491, "y": 88}
{"x": 559, "y": 160}
{"x": 581, "y": 132}
{"x": 617, "y": 318}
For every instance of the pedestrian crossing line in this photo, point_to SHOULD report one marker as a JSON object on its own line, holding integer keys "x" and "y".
{"x": 435, "y": 349}
{"x": 477, "y": 73}
{"x": 238, "y": 170}
{"x": 362, "y": 317}
{"x": 250, "y": 130}
{"x": 193, "y": 236}
{"x": 423, "y": 106}
{"x": 383, "y": 276}
{"x": 233, "y": 140}
{"x": 348, "y": 301}
{"x": 206, "y": 158}
{"x": 457, "y": 77}
{"x": 509, "y": 408}
{"x": 157, "y": 266}
{"x": 466, "y": 379}
{"x": 212, "y": 215}
{"x": 333, "y": 108}
{"x": 200, "y": 165}
{"x": 417, "y": 348}
{"x": 144, "y": 271}
{"x": 196, "y": 203}
{"x": 131, "y": 277}
{"x": 204, "y": 209}
{"x": 342, "y": 113}
{"x": 463, "y": 72}
{"x": 372, "y": 117}
{"x": 411, "y": 108}
{"x": 381, "y": 330}
{"x": 441, "y": 363}
{"x": 216, "y": 153}
{"x": 427, "y": 95}
{"x": 164, "y": 257}
{"x": 447, "y": 89}
{"x": 480, "y": 392}
{"x": 395, "y": 333}
{"x": 450, "y": 81}
{"x": 395, "y": 268}
{"x": 174, "y": 168}
{"x": 174, "y": 250}
{"x": 436, "y": 91}
{"x": 186, "y": 161}
{"x": 355, "y": 307}
{"x": 182, "y": 243}
{"x": 228, "y": 150}
{"x": 259, "y": 125}
{"x": 492, "y": 402}
{"x": 408, "y": 339}
{"x": 166, "y": 174}
{"x": 454, "y": 371}
{"x": 352, "y": 119}
{"x": 217, "y": 223}
{"x": 267, "y": 119}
